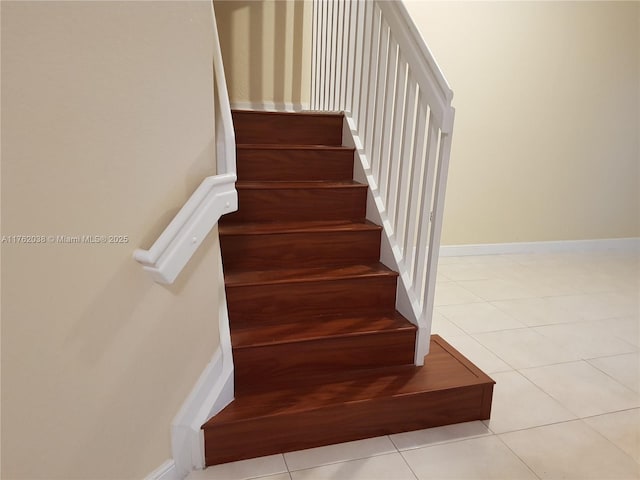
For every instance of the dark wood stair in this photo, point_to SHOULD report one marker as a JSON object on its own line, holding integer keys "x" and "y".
{"x": 321, "y": 355}
{"x": 314, "y": 244}
{"x": 309, "y": 292}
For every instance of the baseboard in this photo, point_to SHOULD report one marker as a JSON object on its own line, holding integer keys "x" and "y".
{"x": 166, "y": 471}
{"x": 213, "y": 391}
{"x": 568, "y": 246}
{"x": 270, "y": 106}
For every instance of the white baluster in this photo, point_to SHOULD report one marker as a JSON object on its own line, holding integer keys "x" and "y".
{"x": 425, "y": 207}
{"x": 396, "y": 153}
{"x": 386, "y": 158}
{"x": 352, "y": 55}
{"x": 406, "y": 164}
{"x": 372, "y": 80}
{"x": 379, "y": 103}
{"x": 419, "y": 143}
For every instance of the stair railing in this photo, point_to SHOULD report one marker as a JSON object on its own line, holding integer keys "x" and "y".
{"x": 215, "y": 196}
{"x": 370, "y": 61}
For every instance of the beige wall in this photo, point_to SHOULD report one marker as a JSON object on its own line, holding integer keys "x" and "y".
{"x": 106, "y": 129}
{"x": 266, "y": 47}
{"x": 547, "y": 94}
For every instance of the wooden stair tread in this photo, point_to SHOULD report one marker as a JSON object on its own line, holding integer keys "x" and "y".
{"x": 288, "y": 114}
{"x": 276, "y": 146}
{"x": 302, "y": 185}
{"x": 301, "y": 330}
{"x": 310, "y": 128}
{"x": 444, "y": 369}
{"x": 321, "y": 356}
{"x": 265, "y": 228}
{"x": 305, "y": 274}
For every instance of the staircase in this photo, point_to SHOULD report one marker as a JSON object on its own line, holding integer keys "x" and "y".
{"x": 321, "y": 355}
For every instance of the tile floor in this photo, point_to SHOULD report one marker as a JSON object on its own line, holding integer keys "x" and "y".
{"x": 559, "y": 334}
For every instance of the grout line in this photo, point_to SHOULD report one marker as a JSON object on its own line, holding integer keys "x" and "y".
{"x": 347, "y": 460}
{"x": 408, "y": 466}
{"x": 343, "y": 461}
{"x": 559, "y": 422}
{"x": 393, "y": 443}
{"x": 518, "y": 457}
{"x": 284, "y": 459}
{"x": 615, "y": 411}
{"x": 450, "y": 441}
{"x": 603, "y": 436}
{"x": 608, "y": 375}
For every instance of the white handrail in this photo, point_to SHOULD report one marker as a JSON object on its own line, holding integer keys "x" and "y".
{"x": 215, "y": 196}
{"x": 225, "y": 134}
{"x": 428, "y": 74}
{"x": 397, "y": 105}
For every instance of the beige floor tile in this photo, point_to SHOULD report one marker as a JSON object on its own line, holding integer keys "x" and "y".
{"x": 244, "y": 469}
{"x": 462, "y": 271}
{"x": 442, "y": 326}
{"x": 588, "y": 339}
{"x": 449, "y": 293}
{"x": 535, "y": 312}
{"x": 498, "y": 289}
{"x": 626, "y": 328}
{"x": 434, "y": 436}
{"x": 383, "y": 467}
{"x": 340, "y": 452}
{"x": 519, "y": 404}
{"x": 478, "y": 317}
{"x": 621, "y": 428}
{"x": 623, "y": 368}
{"x": 598, "y": 306}
{"x": 582, "y": 388}
{"x": 571, "y": 450}
{"x": 525, "y": 348}
{"x": 478, "y": 458}
{"x": 483, "y": 358}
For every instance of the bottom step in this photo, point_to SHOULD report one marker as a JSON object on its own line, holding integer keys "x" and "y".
{"x": 351, "y": 406}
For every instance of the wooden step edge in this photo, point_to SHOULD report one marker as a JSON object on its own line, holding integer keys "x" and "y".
{"x": 299, "y": 185}
{"x": 302, "y": 406}
{"x": 216, "y": 421}
{"x": 277, "y": 146}
{"x": 304, "y": 276}
{"x": 360, "y": 402}
{"x": 305, "y": 113}
{"x": 269, "y": 228}
{"x": 326, "y": 336}
{"x": 477, "y": 378}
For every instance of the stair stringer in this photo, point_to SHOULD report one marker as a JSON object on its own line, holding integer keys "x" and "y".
{"x": 390, "y": 252}
{"x": 213, "y": 391}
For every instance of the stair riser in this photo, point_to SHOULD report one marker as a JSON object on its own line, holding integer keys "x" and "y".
{"x": 343, "y": 423}
{"x": 294, "y": 165}
{"x": 311, "y": 299}
{"x": 298, "y": 249}
{"x": 292, "y": 205}
{"x": 252, "y": 127}
{"x": 265, "y": 364}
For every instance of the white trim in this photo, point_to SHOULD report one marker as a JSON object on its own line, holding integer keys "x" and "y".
{"x": 213, "y": 391}
{"x": 168, "y": 255}
{"x": 166, "y": 471}
{"x": 390, "y": 252}
{"x": 270, "y": 106}
{"x": 598, "y": 245}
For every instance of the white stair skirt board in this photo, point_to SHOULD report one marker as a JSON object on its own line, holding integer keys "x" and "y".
{"x": 406, "y": 303}
{"x": 213, "y": 391}
{"x": 598, "y": 245}
{"x": 270, "y": 106}
{"x": 166, "y": 471}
